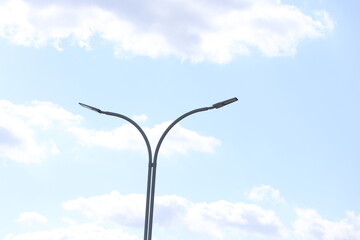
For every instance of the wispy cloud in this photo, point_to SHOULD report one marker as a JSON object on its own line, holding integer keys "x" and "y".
{"x": 21, "y": 128}
{"x": 140, "y": 118}
{"x": 265, "y": 192}
{"x": 201, "y": 30}
{"x": 31, "y": 218}
{"x": 126, "y": 137}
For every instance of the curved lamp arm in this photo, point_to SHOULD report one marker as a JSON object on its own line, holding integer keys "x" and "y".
{"x": 214, "y": 106}
{"x": 127, "y": 119}
{"x": 150, "y": 173}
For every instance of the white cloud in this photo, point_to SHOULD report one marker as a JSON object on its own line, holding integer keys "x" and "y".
{"x": 87, "y": 231}
{"x": 182, "y": 140}
{"x": 196, "y": 30}
{"x": 140, "y": 118}
{"x": 31, "y": 217}
{"x": 265, "y": 192}
{"x": 177, "y": 213}
{"x": 20, "y": 125}
{"x": 21, "y": 128}
{"x": 126, "y": 210}
{"x": 69, "y": 221}
{"x": 126, "y": 137}
{"x": 236, "y": 216}
{"x": 310, "y": 225}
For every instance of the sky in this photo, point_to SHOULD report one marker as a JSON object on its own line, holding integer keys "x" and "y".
{"x": 281, "y": 163}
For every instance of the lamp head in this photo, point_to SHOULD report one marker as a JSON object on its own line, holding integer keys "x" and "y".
{"x": 224, "y": 103}
{"x": 91, "y": 108}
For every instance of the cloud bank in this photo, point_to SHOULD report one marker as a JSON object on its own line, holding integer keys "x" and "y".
{"x": 310, "y": 225}
{"x": 88, "y": 231}
{"x": 205, "y": 30}
{"x": 174, "y": 212}
{"x": 114, "y": 216}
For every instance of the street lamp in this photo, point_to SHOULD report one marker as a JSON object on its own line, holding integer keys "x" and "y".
{"x": 150, "y": 192}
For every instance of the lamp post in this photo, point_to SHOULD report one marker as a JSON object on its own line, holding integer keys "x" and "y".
{"x": 150, "y": 192}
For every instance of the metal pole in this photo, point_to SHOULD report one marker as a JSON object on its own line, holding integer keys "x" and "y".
{"x": 155, "y": 162}
{"x": 150, "y": 192}
{"x": 150, "y": 170}
{"x": 150, "y": 164}
{"x": 214, "y": 106}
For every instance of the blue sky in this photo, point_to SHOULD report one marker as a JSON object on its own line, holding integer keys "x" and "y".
{"x": 281, "y": 163}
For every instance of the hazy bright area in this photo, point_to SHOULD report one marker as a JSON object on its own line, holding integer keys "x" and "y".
{"x": 282, "y": 163}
